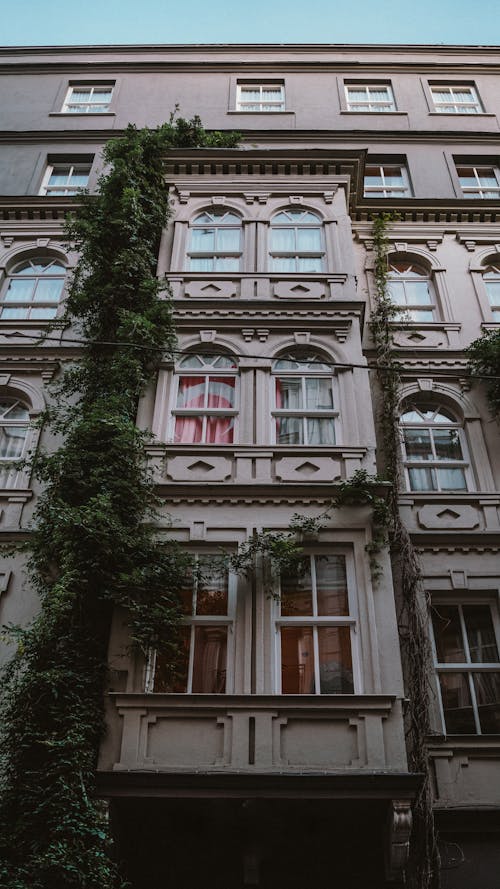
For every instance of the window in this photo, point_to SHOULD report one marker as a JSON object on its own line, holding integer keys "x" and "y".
{"x": 387, "y": 181}
{"x": 479, "y": 182}
{"x": 433, "y": 448}
{"x": 34, "y": 289}
{"x": 14, "y": 425}
{"x": 491, "y": 278}
{"x": 206, "y": 399}
{"x": 409, "y": 287}
{"x": 65, "y": 179}
{"x": 316, "y": 628}
{"x": 370, "y": 98}
{"x": 215, "y": 242}
{"x": 208, "y": 607}
{"x": 468, "y": 666}
{"x": 88, "y": 99}
{"x": 260, "y": 97}
{"x": 455, "y": 99}
{"x": 304, "y": 404}
{"x": 296, "y": 242}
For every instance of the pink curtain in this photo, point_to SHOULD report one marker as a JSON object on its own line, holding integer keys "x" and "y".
{"x": 205, "y": 393}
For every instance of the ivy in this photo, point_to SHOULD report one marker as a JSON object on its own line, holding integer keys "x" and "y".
{"x": 423, "y": 866}
{"x": 93, "y": 546}
{"x": 484, "y": 361}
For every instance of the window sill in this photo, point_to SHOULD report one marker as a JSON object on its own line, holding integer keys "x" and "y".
{"x": 460, "y": 114}
{"x": 371, "y": 113}
{"x": 82, "y": 114}
{"x": 260, "y": 113}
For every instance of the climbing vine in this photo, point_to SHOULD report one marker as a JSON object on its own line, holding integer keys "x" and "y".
{"x": 423, "y": 867}
{"x": 484, "y": 361}
{"x": 93, "y": 546}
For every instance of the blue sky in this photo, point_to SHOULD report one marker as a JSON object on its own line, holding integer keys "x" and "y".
{"x": 56, "y": 22}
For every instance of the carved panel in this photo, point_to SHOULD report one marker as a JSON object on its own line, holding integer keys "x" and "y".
{"x": 307, "y": 469}
{"x": 211, "y": 289}
{"x": 199, "y": 469}
{"x": 181, "y": 742}
{"x": 420, "y": 338}
{"x": 299, "y": 289}
{"x": 326, "y": 744}
{"x": 445, "y": 515}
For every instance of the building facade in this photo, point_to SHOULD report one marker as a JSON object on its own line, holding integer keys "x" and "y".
{"x": 279, "y": 758}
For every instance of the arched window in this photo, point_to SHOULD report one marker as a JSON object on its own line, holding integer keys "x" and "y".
{"x": 215, "y": 242}
{"x": 205, "y": 408}
{"x": 34, "y": 289}
{"x": 14, "y": 425}
{"x": 304, "y": 409}
{"x": 434, "y": 448}
{"x": 410, "y": 289}
{"x": 491, "y": 278}
{"x": 296, "y": 242}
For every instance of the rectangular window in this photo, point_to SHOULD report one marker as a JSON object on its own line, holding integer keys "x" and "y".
{"x": 206, "y": 635}
{"x": 370, "y": 98}
{"x": 455, "y": 99}
{"x": 88, "y": 99}
{"x": 65, "y": 179}
{"x": 386, "y": 181}
{"x": 479, "y": 182}
{"x": 466, "y": 650}
{"x": 260, "y": 97}
{"x": 315, "y": 628}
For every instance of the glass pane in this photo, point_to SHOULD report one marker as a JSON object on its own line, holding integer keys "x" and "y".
{"x": 12, "y": 440}
{"x": 289, "y": 430}
{"x": 447, "y": 444}
{"x": 297, "y": 661}
{"x": 220, "y": 430}
{"x": 20, "y": 290}
{"x": 14, "y": 410}
{"x": 289, "y": 393}
{"x": 335, "y": 661}
{"x": 320, "y": 431}
{"x": 423, "y": 479}
{"x": 43, "y": 313}
{"x": 80, "y": 94}
{"x": 296, "y": 591}
{"x": 493, "y": 289}
{"x": 221, "y": 392}
{"x": 448, "y": 634}
{"x": 418, "y": 444}
{"x": 283, "y": 240}
{"x": 319, "y": 394}
{"x": 206, "y": 264}
{"x": 203, "y": 240}
{"x": 457, "y": 705}
{"x": 487, "y": 178}
{"x": 210, "y": 658}
{"x": 393, "y": 176}
{"x": 211, "y": 593}
{"x": 102, "y": 95}
{"x": 188, "y": 430}
{"x": 310, "y": 264}
{"x": 309, "y": 240}
{"x": 48, "y": 290}
{"x": 226, "y": 264}
{"x": 59, "y": 176}
{"x": 79, "y": 178}
{"x": 396, "y": 292}
{"x": 228, "y": 240}
{"x": 171, "y": 672}
{"x": 373, "y": 176}
{"x": 417, "y": 293}
{"x": 480, "y": 634}
{"x": 421, "y": 315}
{"x": 356, "y": 95}
{"x": 191, "y": 392}
{"x": 283, "y": 264}
{"x": 249, "y": 94}
{"x": 331, "y": 585}
{"x": 451, "y": 479}
{"x": 487, "y": 688}
{"x": 15, "y": 313}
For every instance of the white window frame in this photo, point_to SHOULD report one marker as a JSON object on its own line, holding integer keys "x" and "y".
{"x": 273, "y": 105}
{"x": 216, "y": 254}
{"x": 88, "y": 107}
{"x": 315, "y": 621}
{"x": 409, "y": 311}
{"x": 68, "y": 189}
{"x": 492, "y": 274}
{"x": 479, "y": 190}
{"x": 297, "y": 255}
{"x": 29, "y": 305}
{"x": 468, "y": 666}
{"x": 454, "y": 105}
{"x": 374, "y": 105}
{"x": 213, "y": 620}
{"x": 304, "y": 413}
{"x": 385, "y": 190}
{"x": 436, "y": 463}
{"x": 205, "y": 411}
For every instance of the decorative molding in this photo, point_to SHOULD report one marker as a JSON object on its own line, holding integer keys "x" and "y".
{"x": 398, "y": 838}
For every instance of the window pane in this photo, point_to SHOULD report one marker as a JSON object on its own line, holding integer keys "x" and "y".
{"x": 335, "y": 661}
{"x": 249, "y": 94}
{"x": 289, "y": 430}
{"x": 493, "y": 289}
{"x": 228, "y": 240}
{"x": 310, "y": 264}
{"x": 203, "y": 240}
{"x": 226, "y": 264}
{"x": 373, "y": 176}
{"x": 12, "y": 440}
{"x": 20, "y": 290}
{"x": 297, "y": 661}
{"x": 210, "y": 658}
{"x": 418, "y": 444}
{"x": 331, "y": 586}
{"x": 308, "y": 240}
{"x": 211, "y": 593}
{"x": 205, "y": 264}
{"x": 356, "y": 95}
{"x": 487, "y": 688}
{"x": 393, "y": 176}
{"x": 448, "y": 634}
{"x": 48, "y": 290}
{"x": 43, "y": 312}
{"x": 220, "y": 430}
{"x": 221, "y": 392}
{"x": 188, "y": 430}
{"x": 272, "y": 93}
{"x": 191, "y": 392}
{"x": 320, "y": 431}
{"x": 480, "y": 634}
{"x": 17, "y": 312}
{"x": 417, "y": 293}
{"x": 289, "y": 394}
{"x": 283, "y": 264}
{"x": 319, "y": 394}
{"x": 422, "y": 479}
{"x": 79, "y": 178}
{"x": 451, "y": 479}
{"x": 447, "y": 444}
{"x": 296, "y": 591}
{"x": 457, "y": 706}
{"x": 171, "y": 673}
{"x": 283, "y": 240}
